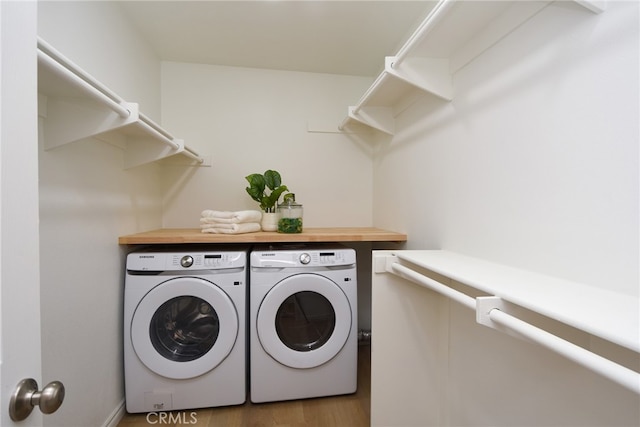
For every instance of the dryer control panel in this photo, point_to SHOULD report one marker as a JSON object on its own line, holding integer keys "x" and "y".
{"x": 171, "y": 261}
{"x": 303, "y": 258}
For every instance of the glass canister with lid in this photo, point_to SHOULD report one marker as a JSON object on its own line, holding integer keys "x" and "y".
{"x": 290, "y": 215}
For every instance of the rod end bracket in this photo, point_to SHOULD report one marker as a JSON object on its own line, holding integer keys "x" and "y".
{"x": 382, "y": 262}
{"x": 484, "y": 305}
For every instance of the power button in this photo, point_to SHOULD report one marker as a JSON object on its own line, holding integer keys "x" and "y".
{"x": 186, "y": 261}
{"x": 305, "y": 258}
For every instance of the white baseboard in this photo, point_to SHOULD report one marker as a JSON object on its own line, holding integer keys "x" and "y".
{"x": 116, "y": 415}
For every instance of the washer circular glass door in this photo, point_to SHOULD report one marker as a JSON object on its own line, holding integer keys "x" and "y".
{"x": 184, "y": 327}
{"x": 304, "y": 321}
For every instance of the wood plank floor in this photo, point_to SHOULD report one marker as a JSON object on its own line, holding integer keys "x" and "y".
{"x": 350, "y": 410}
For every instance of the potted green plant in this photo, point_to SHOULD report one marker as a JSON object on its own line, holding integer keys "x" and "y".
{"x": 266, "y": 189}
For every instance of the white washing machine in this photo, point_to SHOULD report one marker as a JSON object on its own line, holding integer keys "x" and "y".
{"x": 302, "y": 323}
{"x": 185, "y": 330}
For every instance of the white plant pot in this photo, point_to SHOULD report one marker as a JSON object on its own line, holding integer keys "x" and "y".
{"x": 269, "y": 221}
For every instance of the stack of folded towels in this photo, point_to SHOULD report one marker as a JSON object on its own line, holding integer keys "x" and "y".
{"x": 225, "y": 222}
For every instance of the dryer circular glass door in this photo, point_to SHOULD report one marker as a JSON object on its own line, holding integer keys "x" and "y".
{"x": 184, "y": 327}
{"x": 304, "y": 321}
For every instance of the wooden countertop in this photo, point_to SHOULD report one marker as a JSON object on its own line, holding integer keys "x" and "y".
{"x": 194, "y": 235}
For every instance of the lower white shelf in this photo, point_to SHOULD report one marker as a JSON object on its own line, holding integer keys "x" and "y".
{"x": 504, "y": 290}
{"x": 606, "y": 314}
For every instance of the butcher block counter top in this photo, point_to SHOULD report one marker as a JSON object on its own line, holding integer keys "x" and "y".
{"x": 194, "y": 235}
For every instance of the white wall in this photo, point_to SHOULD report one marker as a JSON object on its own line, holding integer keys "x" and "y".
{"x": 87, "y": 200}
{"x": 251, "y": 120}
{"x": 535, "y": 162}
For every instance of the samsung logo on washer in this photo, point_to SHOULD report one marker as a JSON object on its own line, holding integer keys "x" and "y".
{"x": 146, "y": 256}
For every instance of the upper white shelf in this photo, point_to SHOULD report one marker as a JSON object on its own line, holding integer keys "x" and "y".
{"x": 76, "y": 106}
{"x": 451, "y": 36}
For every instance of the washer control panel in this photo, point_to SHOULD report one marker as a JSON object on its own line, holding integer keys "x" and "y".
{"x": 170, "y": 261}
{"x": 303, "y": 258}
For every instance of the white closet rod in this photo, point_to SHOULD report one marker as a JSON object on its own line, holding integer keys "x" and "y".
{"x": 425, "y": 27}
{"x": 156, "y": 130}
{"x": 192, "y": 155}
{"x": 70, "y": 72}
{"x": 434, "y": 285}
{"x": 153, "y": 124}
{"x": 65, "y": 69}
{"x": 430, "y": 21}
{"x": 369, "y": 93}
{"x": 605, "y": 367}
{"x": 88, "y": 88}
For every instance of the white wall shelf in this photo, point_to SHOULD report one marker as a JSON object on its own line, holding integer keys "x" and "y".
{"x": 75, "y": 106}
{"x": 451, "y": 36}
{"x": 602, "y": 313}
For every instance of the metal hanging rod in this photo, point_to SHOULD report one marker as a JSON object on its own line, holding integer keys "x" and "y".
{"x": 596, "y": 363}
{"x": 151, "y": 127}
{"x": 609, "y": 369}
{"x": 434, "y": 285}
{"x": 371, "y": 91}
{"x": 437, "y": 13}
{"x": 89, "y": 89}
{"x": 187, "y": 152}
{"x": 65, "y": 69}
{"x": 429, "y": 22}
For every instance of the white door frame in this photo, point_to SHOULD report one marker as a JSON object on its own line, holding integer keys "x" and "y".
{"x": 20, "y": 347}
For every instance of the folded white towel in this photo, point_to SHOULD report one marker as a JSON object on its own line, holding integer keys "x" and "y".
{"x": 218, "y": 225}
{"x": 228, "y": 217}
{"x": 218, "y": 221}
{"x": 247, "y": 227}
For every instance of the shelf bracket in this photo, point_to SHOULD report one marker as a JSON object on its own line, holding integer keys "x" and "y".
{"x": 140, "y": 151}
{"x": 89, "y": 118}
{"x": 183, "y": 159}
{"x": 431, "y": 75}
{"x": 484, "y": 306}
{"x": 379, "y": 118}
{"x": 382, "y": 262}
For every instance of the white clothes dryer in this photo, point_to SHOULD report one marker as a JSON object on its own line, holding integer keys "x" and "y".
{"x": 184, "y": 330}
{"x": 302, "y": 323}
